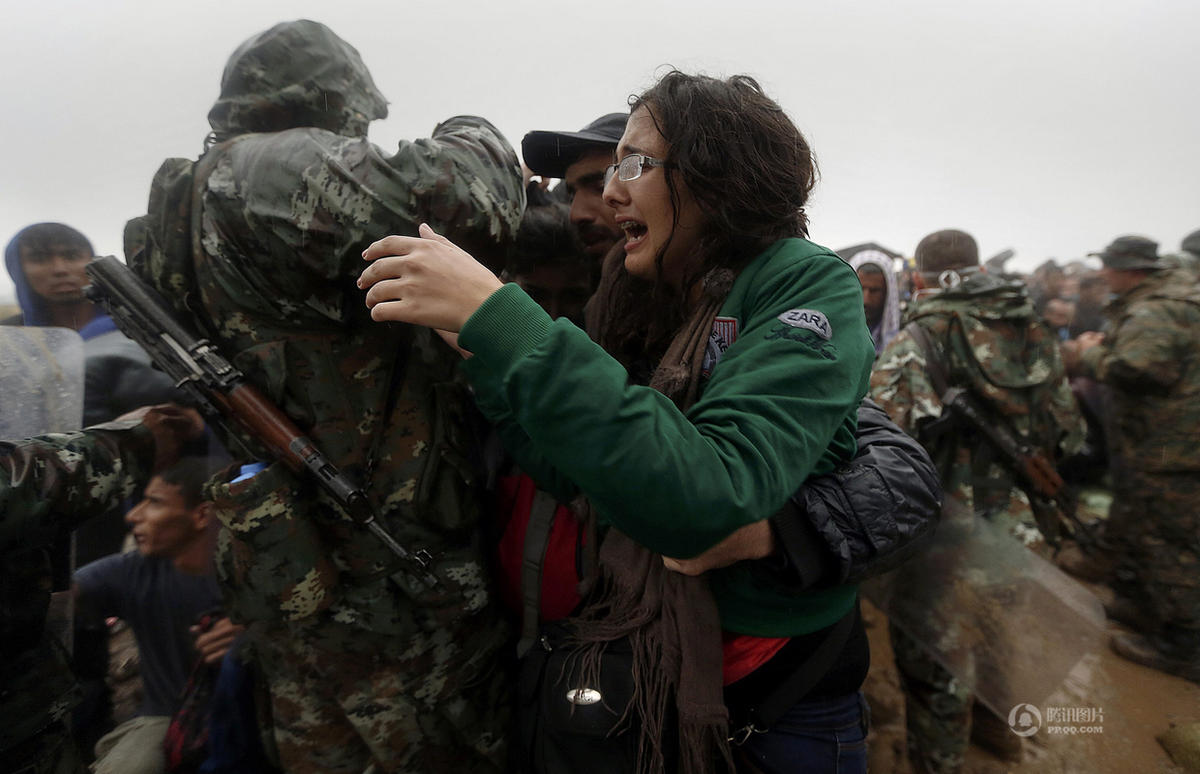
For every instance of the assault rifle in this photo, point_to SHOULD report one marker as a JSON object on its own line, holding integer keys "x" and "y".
{"x": 1050, "y": 499}
{"x": 221, "y": 393}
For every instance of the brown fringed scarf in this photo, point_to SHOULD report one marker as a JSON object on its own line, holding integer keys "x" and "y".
{"x": 670, "y": 619}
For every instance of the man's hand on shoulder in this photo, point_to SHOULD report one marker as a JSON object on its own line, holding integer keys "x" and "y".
{"x": 172, "y": 426}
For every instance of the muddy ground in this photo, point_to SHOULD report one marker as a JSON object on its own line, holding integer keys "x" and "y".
{"x": 1137, "y": 704}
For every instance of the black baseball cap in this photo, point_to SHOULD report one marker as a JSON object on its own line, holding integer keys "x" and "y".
{"x": 550, "y": 153}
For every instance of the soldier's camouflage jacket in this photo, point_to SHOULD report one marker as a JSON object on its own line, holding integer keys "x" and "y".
{"x": 993, "y": 344}
{"x": 48, "y": 485}
{"x": 1150, "y": 358}
{"x": 260, "y": 244}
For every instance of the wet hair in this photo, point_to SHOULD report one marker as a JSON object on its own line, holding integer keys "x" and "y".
{"x": 190, "y": 474}
{"x": 748, "y": 168}
{"x": 547, "y": 238}
{"x": 42, "y": 240}
{"x": 742, "y": 159}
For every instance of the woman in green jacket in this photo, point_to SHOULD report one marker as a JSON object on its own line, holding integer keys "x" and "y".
{"x": 730, "y": 356}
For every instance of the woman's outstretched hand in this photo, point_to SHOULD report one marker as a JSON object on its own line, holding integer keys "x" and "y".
{"x": 426, "y": 280}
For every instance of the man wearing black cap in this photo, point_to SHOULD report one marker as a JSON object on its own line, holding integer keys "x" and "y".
{"x": 1150, "y": 359}
{"x": 579, "y": 159}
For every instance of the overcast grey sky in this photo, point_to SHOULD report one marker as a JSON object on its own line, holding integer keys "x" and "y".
{"x": 1047, "y": 127}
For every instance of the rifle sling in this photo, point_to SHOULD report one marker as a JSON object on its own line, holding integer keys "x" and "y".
{"x": 935, "y": 364}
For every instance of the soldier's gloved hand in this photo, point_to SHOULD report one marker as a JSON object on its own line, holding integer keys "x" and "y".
{"x": 172, "y": 427}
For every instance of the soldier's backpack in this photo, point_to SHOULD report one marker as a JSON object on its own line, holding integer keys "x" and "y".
{"x": 996, "y": 368}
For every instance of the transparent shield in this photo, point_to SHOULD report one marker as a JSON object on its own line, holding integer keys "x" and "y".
{"x": 41, "y": 391}
{"x": 41, "y": 381}
{"x": 997, "y": 616}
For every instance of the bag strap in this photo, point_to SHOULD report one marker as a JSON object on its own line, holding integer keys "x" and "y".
{"x": 935, "y": 361}
{"x": 761, "y": 717}
{"x": 537, "y": 539}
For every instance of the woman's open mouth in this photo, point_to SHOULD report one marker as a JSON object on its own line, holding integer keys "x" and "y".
{"x": 634, "y": 232}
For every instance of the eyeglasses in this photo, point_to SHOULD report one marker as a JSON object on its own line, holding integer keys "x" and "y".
{"x": 630, "y": 167}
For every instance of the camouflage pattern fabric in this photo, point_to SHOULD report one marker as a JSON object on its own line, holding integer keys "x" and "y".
{"x": 1159, "y": 565}
{"x": 48, "y": 485}
{"x": 49, "y": 752}
{"x": 260, "y": 243}
{"x": 1150, "y": 360}
{"x": 993, "y": 344}
{"x": 334, "y": 710}
{"x": 938, "y": 708}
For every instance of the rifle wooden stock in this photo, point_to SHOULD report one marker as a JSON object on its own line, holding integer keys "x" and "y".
{"x": 1049, "y": 497}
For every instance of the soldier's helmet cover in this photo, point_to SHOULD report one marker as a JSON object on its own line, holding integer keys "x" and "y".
{"x": 946, "y": 249}
{"x": 1191, "y": 243}
{"x": 296, "y": 74}
{"x": 1127, "y": 253}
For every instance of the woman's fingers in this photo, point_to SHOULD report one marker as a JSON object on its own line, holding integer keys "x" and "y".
{"x": 427, "y": 280}
{"x": 385, "y": 290}
{"x": 391, "y": 245}
{"x": 390, "y": 267}
{"x": 426, "y": 231}
{"x": 392, "y": 311}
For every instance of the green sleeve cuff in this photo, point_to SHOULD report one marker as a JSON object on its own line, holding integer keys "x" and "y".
{"x": 505, "y": 328}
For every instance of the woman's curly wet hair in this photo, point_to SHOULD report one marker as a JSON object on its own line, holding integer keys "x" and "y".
{"x": 744, "y": 161}
{"x": 747, "y": 166}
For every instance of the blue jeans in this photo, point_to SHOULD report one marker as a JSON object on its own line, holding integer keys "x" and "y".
{"x": 827, "y": 736}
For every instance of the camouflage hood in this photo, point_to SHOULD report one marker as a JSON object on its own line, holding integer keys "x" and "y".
{"x": 987, "y": 295}
{"x": 296, "y": 74}
{"x": 992, "y": 325}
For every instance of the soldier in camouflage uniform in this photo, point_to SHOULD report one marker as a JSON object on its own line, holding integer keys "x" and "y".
{"x": 1188, "y": 257}
{"x": 260, "y": 242}
{"x": 1150, "y": 359}
{"x": 991, "y": 343}
{"x": 48, "y": 486}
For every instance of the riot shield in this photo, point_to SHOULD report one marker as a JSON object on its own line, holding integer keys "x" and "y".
{"x": 997, "y": 616}
{"x": 41, "y": 381}
{"x": 41, "y": 391}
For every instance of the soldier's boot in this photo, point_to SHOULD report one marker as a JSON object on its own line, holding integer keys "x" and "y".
{"x": 994, "y": 735}
{"x": 1150, "y": 652}
{"x": 1126, "y": 612}
{"x": 1096, "y": 566}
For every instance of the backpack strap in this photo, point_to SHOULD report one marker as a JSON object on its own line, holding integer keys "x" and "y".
{"x": 537, "y": 538}
{"x": 935, "y": 361}
{"x": 761, "y": 717}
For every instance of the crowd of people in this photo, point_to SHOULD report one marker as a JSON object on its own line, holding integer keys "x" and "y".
{"x": 642, "y": 438}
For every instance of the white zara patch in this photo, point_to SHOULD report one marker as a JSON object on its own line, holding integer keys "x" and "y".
{"x": 809, "y": 319}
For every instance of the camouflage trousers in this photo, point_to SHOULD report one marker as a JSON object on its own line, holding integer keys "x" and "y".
{"x": 51, "y": 751}
{"x": 1158, "y": 565}
{"x": 937, "y": 708}
{"x": 348, "y": 700}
